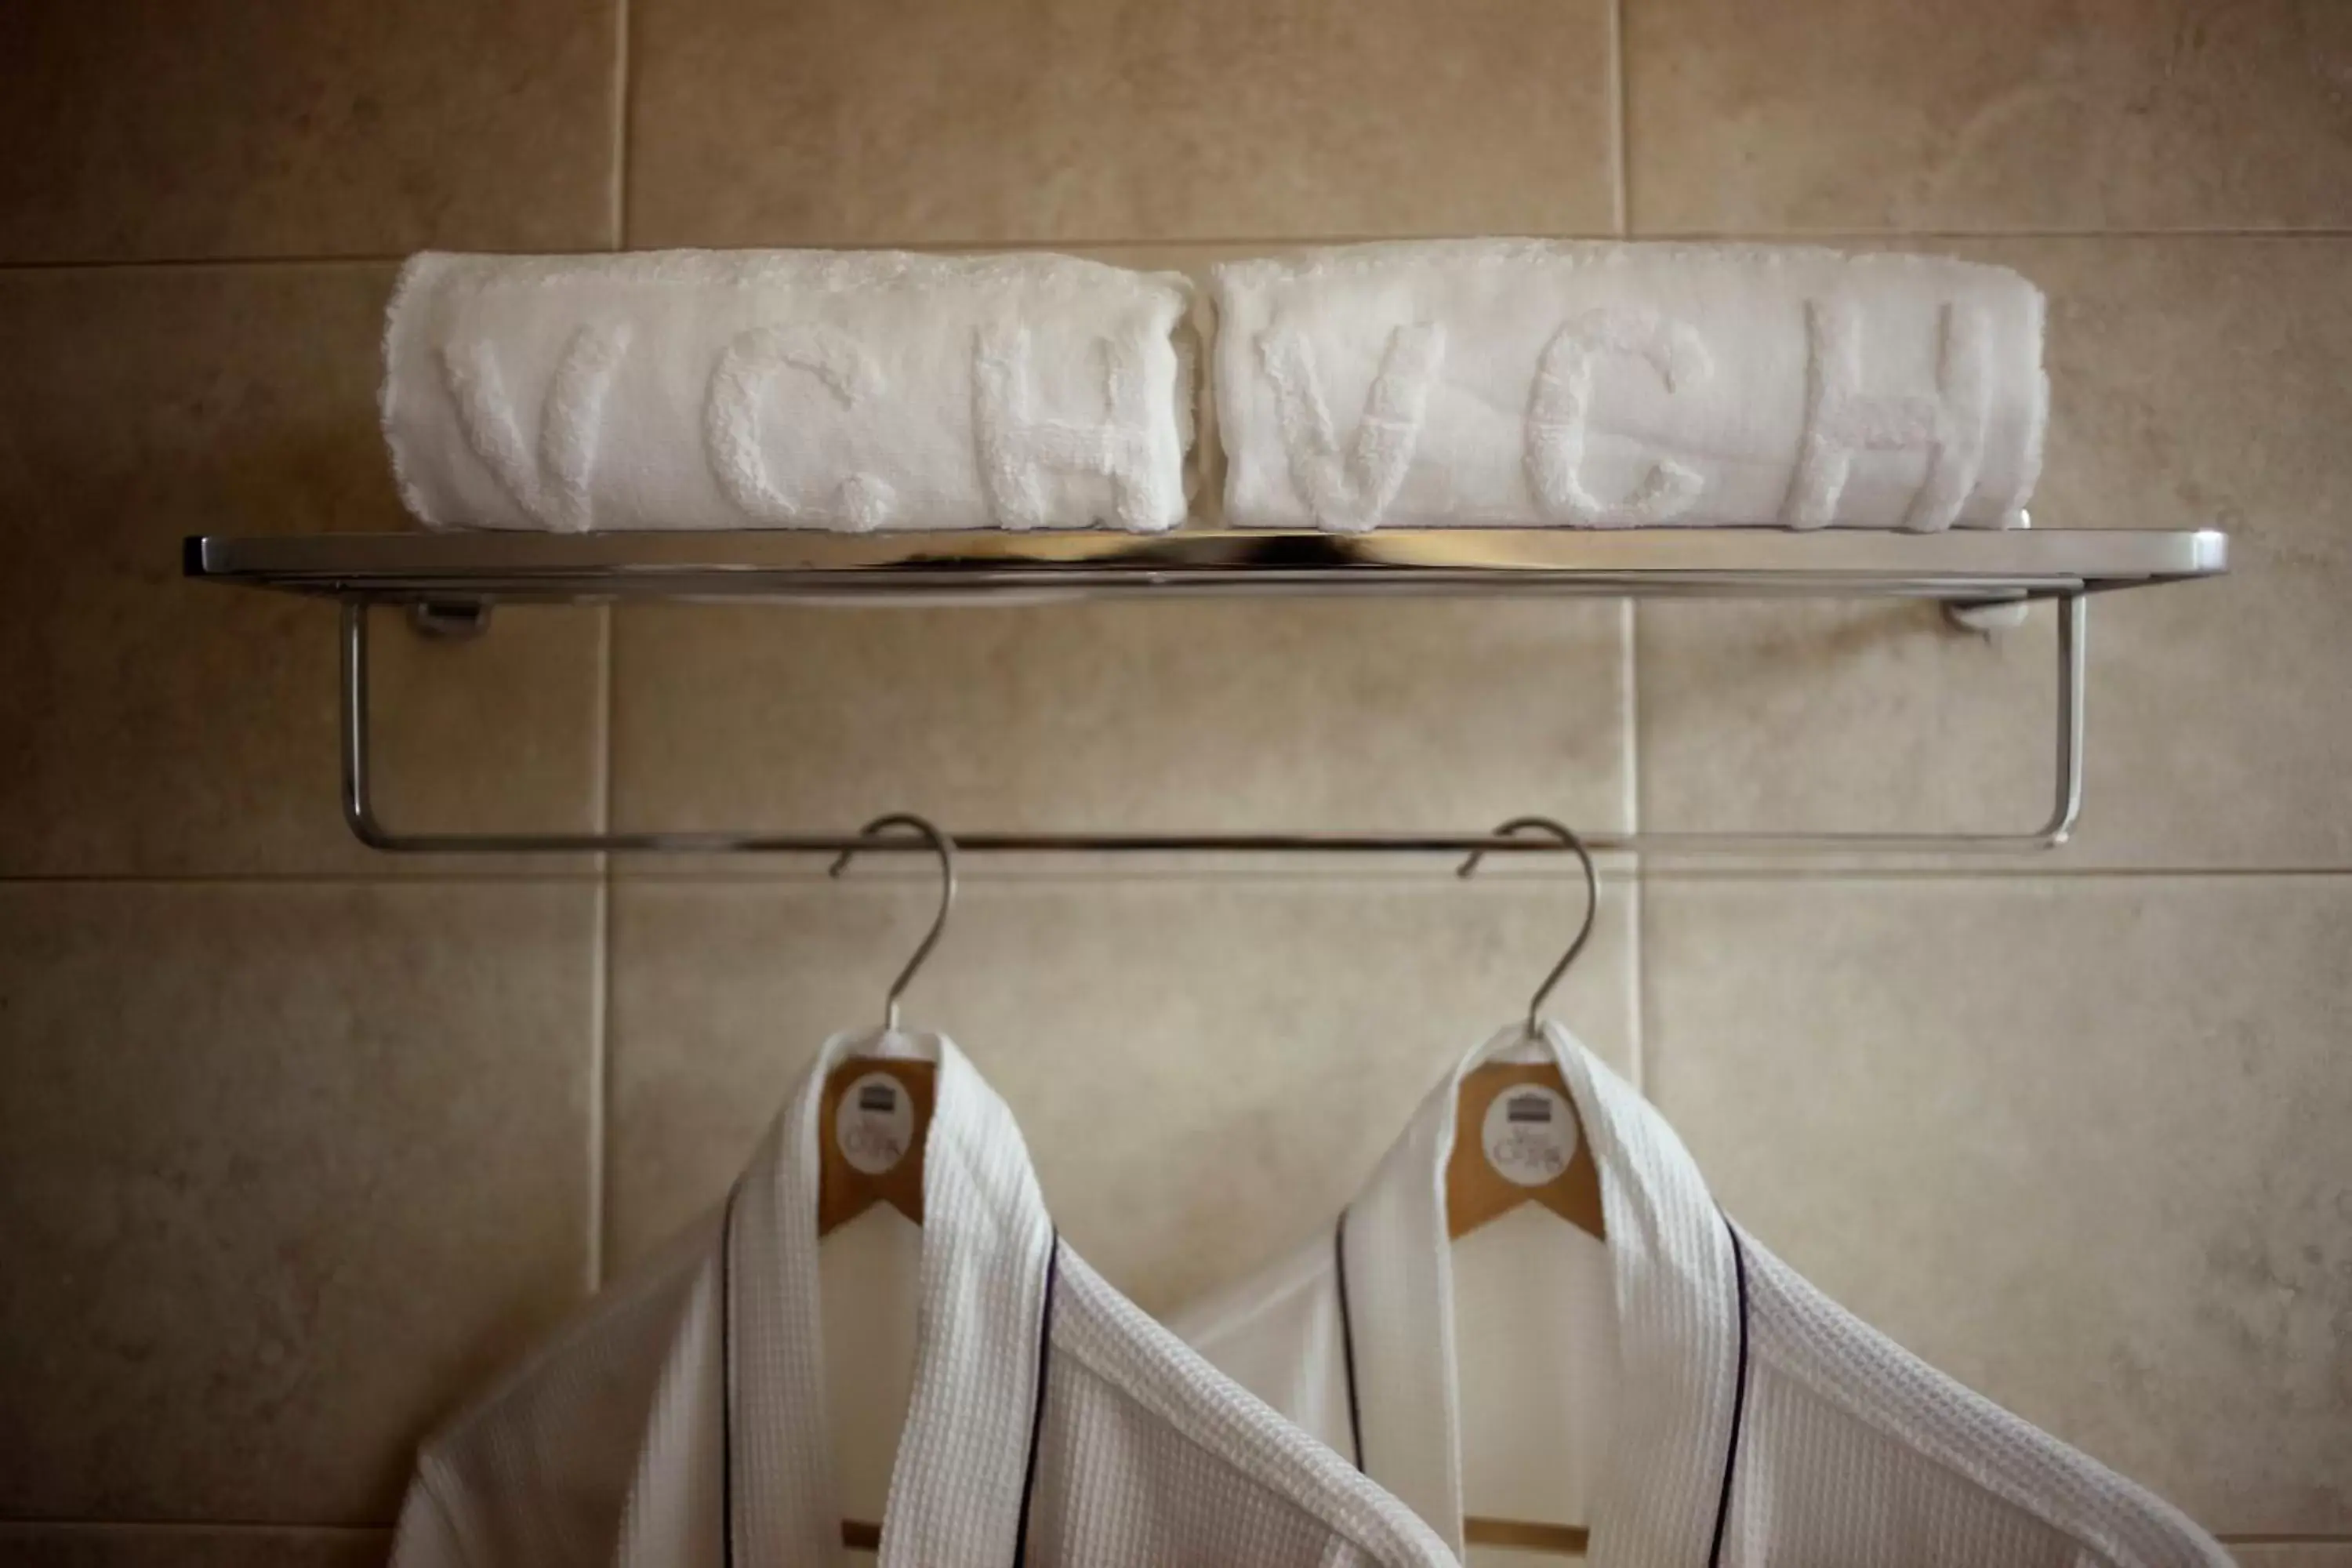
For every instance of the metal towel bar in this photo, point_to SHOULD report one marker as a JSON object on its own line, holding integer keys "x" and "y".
{"x": 469, "y": 574}
{"x": 360, "y": 812}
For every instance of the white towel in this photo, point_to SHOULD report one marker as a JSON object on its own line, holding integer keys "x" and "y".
{"x": 1510, "y": 383}
{"x": 786, "y": 389}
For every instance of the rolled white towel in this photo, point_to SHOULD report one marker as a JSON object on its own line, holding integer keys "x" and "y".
{"x": 785, "y": 389}
{"x": 1514, "y": 383}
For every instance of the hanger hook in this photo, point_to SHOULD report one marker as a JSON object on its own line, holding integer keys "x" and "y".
{"x": 945, "y": 848}
{"x": 1591, "y": 903}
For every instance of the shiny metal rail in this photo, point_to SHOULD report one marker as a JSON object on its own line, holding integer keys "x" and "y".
{"x": 482, "y": 569}
{"x": 360, "y": 812}
{"x": 459, "y": 576}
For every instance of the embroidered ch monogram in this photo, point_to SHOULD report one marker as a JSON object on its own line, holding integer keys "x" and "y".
{"x": 730, "y": 421}
{"x": 1840, "y": 421}
{"x": 1019, "y": 450}
{"x": 1559, "y": 412}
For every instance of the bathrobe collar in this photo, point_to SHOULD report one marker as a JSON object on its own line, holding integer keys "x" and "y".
{"x": 959, "y": 1487}
{"x": 1680, "y": 1319}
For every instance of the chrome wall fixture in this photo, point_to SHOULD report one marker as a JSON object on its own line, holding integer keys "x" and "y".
{"x": 456, "y": 579}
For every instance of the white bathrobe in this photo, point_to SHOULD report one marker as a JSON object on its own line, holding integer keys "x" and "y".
{"x": 1679, "y": 1389}
{"x": 683, "y": 1421}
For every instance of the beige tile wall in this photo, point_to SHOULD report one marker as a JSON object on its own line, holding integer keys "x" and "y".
{"x": 297, "y": 1143}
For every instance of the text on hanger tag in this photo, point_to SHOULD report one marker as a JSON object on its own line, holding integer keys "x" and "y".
{"x": 873, "y": 1120}
{"x": 1516, "y": 1140}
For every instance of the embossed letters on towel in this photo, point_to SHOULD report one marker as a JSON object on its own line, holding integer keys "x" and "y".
{"x": 1017, "y": 451}
{"x": 1840, "y": 421}
{"x": 1560, "y": 405}
{"x": 1348, "y": 490}
{"x": 730, "y": 421}
{"x": 553, "y": 486}
{"x": 1746, "y": 385}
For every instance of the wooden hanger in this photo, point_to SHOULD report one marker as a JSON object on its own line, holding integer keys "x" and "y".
{"x": 887, "y": 1111}
{"x": 1477, "y": 1192}
{"x": 856, "y": 1172}
{"x": 1527, "y": 1126}
{"x": 845, "y": 1191}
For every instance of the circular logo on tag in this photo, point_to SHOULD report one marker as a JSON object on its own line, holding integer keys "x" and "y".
{"x": 875, "y": 1124}
{"x": 1530, "y": 1134}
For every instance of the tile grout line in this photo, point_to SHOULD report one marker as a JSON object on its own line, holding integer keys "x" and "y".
{"x": 1629, "y": 708}
{"x": 1629, "y": 724}
{"x": 599, "y": 1046}
{"x": 270, "y": 1527}
{"x": 624, "y": 87}
{"x": 1431, "y": 872}
{"x": 189, "y": 1527}
{"x": 1227, "y": 242}
{"x": 1621, "y": 200}
{"x": 600, "y": 1087}
{"x": 485, "y": 877}
{"x": 1399, "y": 870}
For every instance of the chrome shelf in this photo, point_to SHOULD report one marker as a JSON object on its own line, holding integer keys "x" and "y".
{"x": 1966, "y": 566}
{"x": 458, "y": 578}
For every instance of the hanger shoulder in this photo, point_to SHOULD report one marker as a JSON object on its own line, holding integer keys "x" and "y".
{"x": 847, "y": 1187}
{"x": 1476, "y": 1191}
